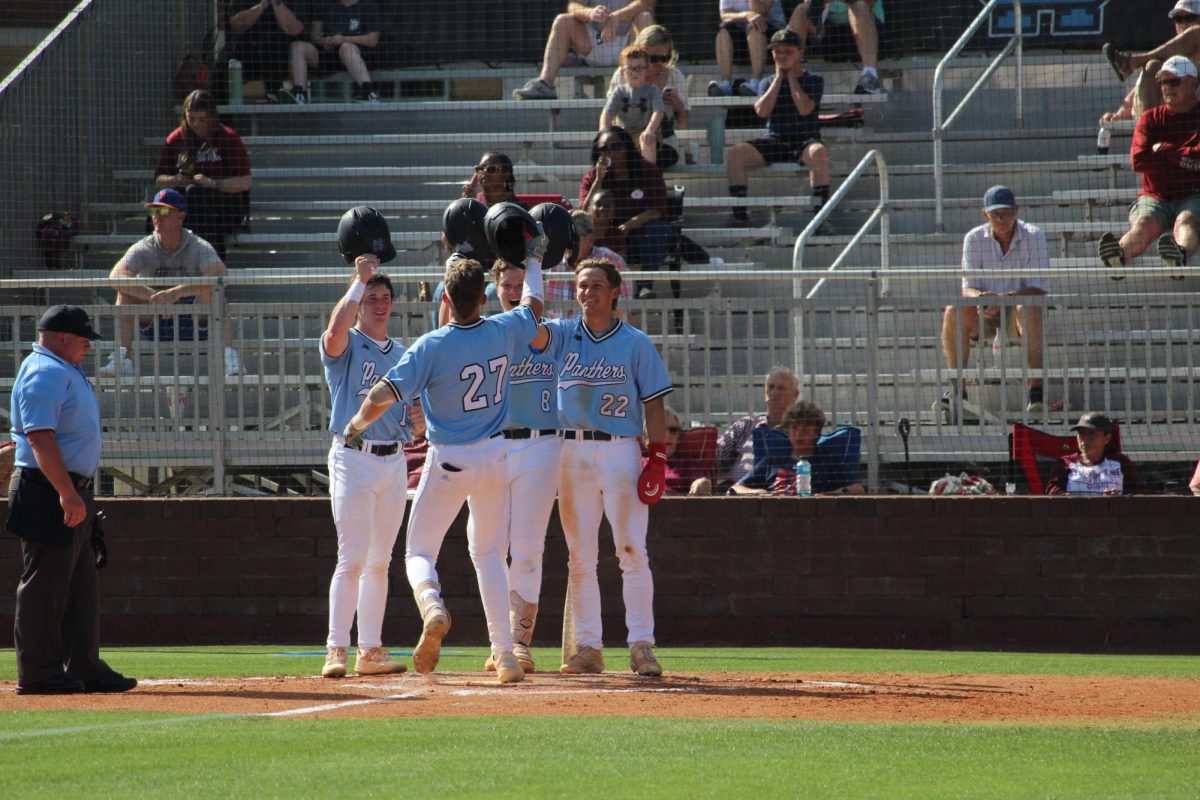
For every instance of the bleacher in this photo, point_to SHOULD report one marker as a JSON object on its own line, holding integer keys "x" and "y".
{"x": 409, "y": 155}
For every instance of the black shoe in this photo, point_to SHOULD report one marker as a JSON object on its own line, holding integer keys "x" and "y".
{"x": 112, "y": 682}
{"x": 1108, "y": 249}
{"x": 62, "y": 683}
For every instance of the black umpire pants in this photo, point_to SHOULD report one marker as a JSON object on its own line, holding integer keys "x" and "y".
{"x": 58, "y": 613}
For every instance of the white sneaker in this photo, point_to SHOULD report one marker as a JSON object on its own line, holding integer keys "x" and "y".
{"x": 536, "y": 89}
{"x": 233, "y": 364}
{"x": 115, "y": 366}
{"x": 508, "y": 670}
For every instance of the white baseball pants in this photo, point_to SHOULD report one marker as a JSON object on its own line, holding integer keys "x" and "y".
{"x": 595, "y": 479}
{"x": 532, "y": 481}
{"x": 474, "y": 473}
{"x": 368, "y": 494}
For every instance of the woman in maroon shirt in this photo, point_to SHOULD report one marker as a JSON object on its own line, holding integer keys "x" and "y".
{"x": 640, "y": 197}
{"x": 208, "y": 162}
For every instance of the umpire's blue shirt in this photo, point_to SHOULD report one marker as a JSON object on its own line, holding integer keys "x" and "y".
{"x": 53, "y": 395}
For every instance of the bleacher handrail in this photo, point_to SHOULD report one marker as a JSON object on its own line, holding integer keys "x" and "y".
{"x": 940, "y": 127}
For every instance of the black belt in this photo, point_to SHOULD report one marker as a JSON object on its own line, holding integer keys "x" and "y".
{"x": 591, "y": 436}
{"x": 377, "y": 449}
{"x": 527, "y": 433}
{"x": 81, "y": 483}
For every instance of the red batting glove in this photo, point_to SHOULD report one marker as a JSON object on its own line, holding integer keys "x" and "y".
{"x": 653, "y": 480}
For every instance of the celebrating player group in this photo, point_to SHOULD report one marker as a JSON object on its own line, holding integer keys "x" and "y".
{"x": 519, "y": 411}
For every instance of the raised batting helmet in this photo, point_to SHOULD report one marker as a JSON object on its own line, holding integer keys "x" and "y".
{"x": 363, "y": 230}
{"x": 560, "y": 231}
{"x": 463, "y": 225}
{"x": 508, "y": 227}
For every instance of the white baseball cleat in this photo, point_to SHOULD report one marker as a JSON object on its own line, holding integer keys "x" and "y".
{"x": 642, "y": 660}
{"x": 508, "y": 670}
{"x": 587, "y": 660}
{"x": 377, "y": 661}
{"x": 429, "y": 649}
{"x": 335, "y": 663}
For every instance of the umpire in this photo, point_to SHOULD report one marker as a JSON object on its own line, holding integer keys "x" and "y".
{"x": 56, "y": 427}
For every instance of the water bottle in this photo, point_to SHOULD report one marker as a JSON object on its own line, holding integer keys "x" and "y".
{"x": 803, "y": 478}
{"x": 235, "y": 82}
{"x": 998, "y": 348}
{"x": 1103, "y": 139}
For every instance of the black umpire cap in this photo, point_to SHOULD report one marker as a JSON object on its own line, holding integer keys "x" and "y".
{"x": 68, "y": 319}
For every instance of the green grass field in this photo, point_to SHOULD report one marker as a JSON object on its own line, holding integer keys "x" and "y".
{"x": 123, "y": 754}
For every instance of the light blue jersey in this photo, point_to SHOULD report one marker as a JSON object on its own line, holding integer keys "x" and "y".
{"x": 352, "y": 374}
{"x": 50, "y": 394}
{"x": 534, "y": 378}
{"x": 461, "y": 373}
{"x": 604, "y": 380}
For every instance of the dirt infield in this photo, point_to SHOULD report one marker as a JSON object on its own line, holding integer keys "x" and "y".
{"x": 830, "y": 697}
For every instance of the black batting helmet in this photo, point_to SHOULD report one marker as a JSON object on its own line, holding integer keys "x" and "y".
{"x": 508, "y": 227}
{"x": 363, "y": 230}
{"x": 463, "y": 225}
{"x": 560, "y": 231}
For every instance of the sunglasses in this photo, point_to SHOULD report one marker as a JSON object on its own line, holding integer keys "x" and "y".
{"x": 490, "y": 169}
{"x": 659, "y": 59}
{"x": 675, "y": 430}
{"x": 159, "y": 211}
{"x": 1184, "y": 19}
{"x": 1170, "y": 81}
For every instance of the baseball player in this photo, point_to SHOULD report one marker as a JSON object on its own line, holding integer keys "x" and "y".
{"x": 531, "y": 472}
{"x": 368, "y": 479}
{"x": 461, "y": 372}
{"x": 610, "y": 373}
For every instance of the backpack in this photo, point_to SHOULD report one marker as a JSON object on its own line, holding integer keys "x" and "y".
{"x": 205, "y": 69}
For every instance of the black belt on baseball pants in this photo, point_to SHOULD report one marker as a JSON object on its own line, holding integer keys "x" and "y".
{"x": 591, "y": 436}
{"x": 527, "y": 433}
{"x": 377, "y": 449}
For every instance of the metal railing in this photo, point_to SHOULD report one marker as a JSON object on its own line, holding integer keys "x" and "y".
{"x": 867, "y": 361}
{"x": 939, "y": 126}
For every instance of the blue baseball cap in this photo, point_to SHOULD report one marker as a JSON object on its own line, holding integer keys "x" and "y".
{"x": 170, "y": 197}
{"x": 999, "y": 197}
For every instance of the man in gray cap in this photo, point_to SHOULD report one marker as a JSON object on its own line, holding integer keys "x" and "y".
{"x": 1011, "y": 252}
{"x": 56, "y": 427}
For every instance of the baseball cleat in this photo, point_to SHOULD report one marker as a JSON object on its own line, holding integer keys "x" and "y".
{"x": 1118, "y": 60}
{"x": 508, "y": 670}
{"x": 377, "y": 661}
{"x": 335, "y": 663}
{"x": 587, "y": 660}
{"x": 642, "y": 660}
{"x": 524, "y": 657}
{"x": 429, "y": 649}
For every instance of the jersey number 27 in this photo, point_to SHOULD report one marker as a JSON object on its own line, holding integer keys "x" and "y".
{"x": 473, "y": 400}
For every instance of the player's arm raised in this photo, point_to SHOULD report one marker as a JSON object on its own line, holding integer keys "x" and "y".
{"x": 336, "y": 337}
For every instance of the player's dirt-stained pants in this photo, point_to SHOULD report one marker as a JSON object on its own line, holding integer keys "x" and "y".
{"x": 532, "y": 481}
{"x": 368, "y": 494}
{"x": 474, "y": 473}
{"x": 598, "y": 478}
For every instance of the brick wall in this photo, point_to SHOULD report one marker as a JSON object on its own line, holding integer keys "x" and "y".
{"x": 1051, "y": 573}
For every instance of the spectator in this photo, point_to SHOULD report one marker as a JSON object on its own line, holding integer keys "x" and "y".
{"x": 493, "y": 182}
{"x": 171, "y": 252}
{"x": 1004, "y": 247}
{"x": 602, "y": 207}
{"x": 593, "y": 33}
{"x": 663, "y": 73}
{"x": 735, "y": 448}
{"x": 207, "y": 161}
{"x": 560, "y": 278}
{"x": 636, "y": 105}
{"x": 756, "y": 21}
{"x": 839, "y": 24}
{"x": 1098, "y": 468}
{"x": 774, "y": 466}
{"x": 683, "y": 476}
{"x": 261, "y": 33}
{"x": 789, "y": 103}
{"x": 641, "y": 200}
{"x": 56, "y": 426}
{"x": 416, "y": 450}
{"x": 1165, "y": 150}
{"x": 1145, "y": 94}
{"x": 343, "y": 34}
